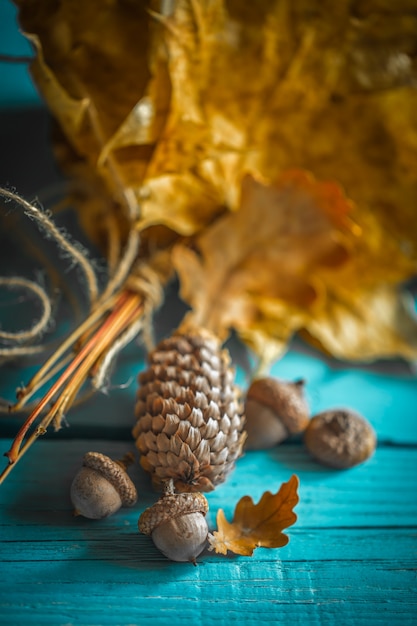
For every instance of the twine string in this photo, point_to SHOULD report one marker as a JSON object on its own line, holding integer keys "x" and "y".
{"x": 77, "y": 255}
{"x": 145, "y": 281}
{"x": 21, "y": 336}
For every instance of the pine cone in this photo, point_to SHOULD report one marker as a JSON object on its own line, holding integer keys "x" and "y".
{"x": 190, "y": 421}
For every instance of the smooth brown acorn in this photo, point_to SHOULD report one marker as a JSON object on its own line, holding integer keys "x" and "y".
{"x": 177, "y": 524}
{"x": 274, "y": 410}
{"x": 102, "y": 486}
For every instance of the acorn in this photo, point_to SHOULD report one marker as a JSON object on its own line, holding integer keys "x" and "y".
{"x": 340, "y": 438}
{"x": 177, "y": 524}
{"x": 102, "y": 486}
{"x": 190, "y": 423}
{"x": 274, "y": 410}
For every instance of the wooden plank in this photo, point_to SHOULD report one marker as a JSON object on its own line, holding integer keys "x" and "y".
{"x": 107, "y": 593}
{"x": 379, "y": 493}
{"x": 122, "y": 543}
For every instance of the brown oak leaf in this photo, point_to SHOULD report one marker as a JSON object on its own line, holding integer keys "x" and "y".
{"x": 257, "y": 525}
{"x": 292, "y": 258}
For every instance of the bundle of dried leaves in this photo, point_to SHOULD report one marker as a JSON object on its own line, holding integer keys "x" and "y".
{"x": 298, "y": 121}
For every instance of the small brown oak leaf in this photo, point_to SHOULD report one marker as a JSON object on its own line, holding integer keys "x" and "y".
{"x": 257, "y": 525}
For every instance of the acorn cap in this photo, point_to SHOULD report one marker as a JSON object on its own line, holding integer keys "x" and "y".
{"x": 114, "y": 472}
{"x": 170, "y": 506}
{"x": 285, "y": 399}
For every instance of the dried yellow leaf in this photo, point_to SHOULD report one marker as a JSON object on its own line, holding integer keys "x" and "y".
{"x": 193, "y": 99}
{"x": 257, "y": 525}
{"x": 171, "y": 114}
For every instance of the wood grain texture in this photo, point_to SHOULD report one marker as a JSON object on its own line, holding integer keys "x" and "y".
{"x": 351, "y": 557}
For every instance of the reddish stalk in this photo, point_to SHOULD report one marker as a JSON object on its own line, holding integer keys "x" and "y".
{"x": 42, "y": 374}
{"x": 127, "y": 307}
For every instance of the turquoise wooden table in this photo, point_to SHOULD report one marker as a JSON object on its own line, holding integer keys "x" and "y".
{"x": 352, "y": 553}
{"x": 351, "y": 557}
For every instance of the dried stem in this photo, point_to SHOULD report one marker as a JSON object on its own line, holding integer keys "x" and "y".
{"x": 24, "y": 394}
{"x": 124, "y": 265}
{"x": 39, "y": 378}
{"x": 97, "y": 346}
{"x": 82, "y": 332}
{"x": 113, "y": 242}
{"x": 126, "y": 461}
{"x": 129, "y": 306}
{"x": 102, "y": 371}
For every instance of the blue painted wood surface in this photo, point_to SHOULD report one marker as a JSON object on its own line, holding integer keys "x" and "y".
{"x": 351, "y": 557}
